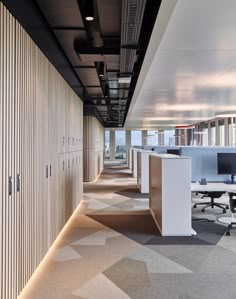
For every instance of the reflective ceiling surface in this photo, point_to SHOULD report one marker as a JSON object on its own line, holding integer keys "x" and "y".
{"x": 189, "y": 71}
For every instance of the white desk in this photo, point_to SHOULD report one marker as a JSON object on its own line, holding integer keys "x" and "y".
{"x": 196, "y": 187}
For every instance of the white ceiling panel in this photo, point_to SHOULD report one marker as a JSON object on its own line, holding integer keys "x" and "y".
{"x": 192, "y": 74}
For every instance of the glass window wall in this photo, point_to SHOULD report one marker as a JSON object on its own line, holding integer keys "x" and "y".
{"x": 152, "y": 138}
{"x": 136, "y": 138}
{"x": 107, "y": 144}
{"x": 120, "y": 145}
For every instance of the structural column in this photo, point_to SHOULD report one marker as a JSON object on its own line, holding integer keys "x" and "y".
{"x": 209, "y": 133}
{"x": 161, "y": 137}
{"x": 128, "y": 144}
{"x": 217, "y": 132}
{"x": 144, "y": 137}
{"x": 112, "y": 145}
{"x": 226, "y": 128}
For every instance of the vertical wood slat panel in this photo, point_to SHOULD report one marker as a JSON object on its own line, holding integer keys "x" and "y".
{"x": 1, "y": 151}
{"x": 34, "y": 100}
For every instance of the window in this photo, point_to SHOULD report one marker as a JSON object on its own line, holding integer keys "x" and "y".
{"x": 169, "y": 137}
{"x": 232, "y": 131}
{"x": 107, "y": 144}
{"x": 222, "y": 132}
{"x": 136, "y": 138}
{"x": 205, "y": 136}
{"x": 120, "y": 147}
{"x": 152, "y": 138}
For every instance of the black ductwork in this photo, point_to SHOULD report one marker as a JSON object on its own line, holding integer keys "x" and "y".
{"x": 92, "y": 28}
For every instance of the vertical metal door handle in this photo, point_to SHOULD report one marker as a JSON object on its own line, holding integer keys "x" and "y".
{"x": 63, "y": 165}
{"x": 18, "y": 183}
{"x": 50, "y": 170}
{"x": 46, "y": 171}
{"x": 10, "y": 185}
{"x": 63, "y": 140}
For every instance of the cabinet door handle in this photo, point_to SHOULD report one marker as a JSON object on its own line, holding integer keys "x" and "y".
{"x": 10, "y": 185}
{"x": 46, "y": 171}
{"x": 18, "y": 183}
{"x": 63, "y": 140}
{"x": 50, "y": 170}
{"x": 63, "y": 165}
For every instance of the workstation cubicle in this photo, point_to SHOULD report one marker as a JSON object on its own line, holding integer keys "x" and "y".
{"x": 204, "y": 177}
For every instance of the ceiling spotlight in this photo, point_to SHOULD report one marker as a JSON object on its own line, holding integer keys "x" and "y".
{"x": 89, "y": 10}
{"x": 100, "y": 68}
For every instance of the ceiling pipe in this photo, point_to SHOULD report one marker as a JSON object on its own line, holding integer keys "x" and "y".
{"x": 93, "y": 28}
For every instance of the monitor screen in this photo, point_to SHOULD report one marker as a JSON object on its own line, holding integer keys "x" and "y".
{"x": 226, "y": 163}
{"x": 173, "y": 151}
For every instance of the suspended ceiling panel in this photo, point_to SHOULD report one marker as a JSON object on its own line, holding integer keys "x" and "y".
{"x": 111, "y": 12}
{"x": 192, "y": 72}
{"x": 60, "y": 15}
{"x": 66, "y": 39}
{"x": 88, "y": 77}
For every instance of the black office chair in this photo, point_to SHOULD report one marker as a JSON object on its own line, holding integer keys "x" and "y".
{"x": 232, "y": 204}
{"x": 212, "y": 203}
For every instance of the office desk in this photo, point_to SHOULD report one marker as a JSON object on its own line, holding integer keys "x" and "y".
{"x": 196, "y": 187}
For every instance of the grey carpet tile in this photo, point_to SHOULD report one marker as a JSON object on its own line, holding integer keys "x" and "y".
{"x": 132, "y": 193}
{"x": 129, "y": 275}
{"x": 189, "y": 256}
{"x": 188, "y": 286}
{"x": 140, "y": 228}
{"x": 175, "y": 286}
{"x": 208, "y": 233}
{"x": 220, "y": 260}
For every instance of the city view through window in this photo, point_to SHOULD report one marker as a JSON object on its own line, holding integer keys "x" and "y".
{"x": 136, "y": 139}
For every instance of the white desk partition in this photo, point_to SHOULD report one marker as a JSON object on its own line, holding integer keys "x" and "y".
{"x": 170, "y": 194}
{"x": 130, "y": 158}
{"x": 134, "y": 161}
{"x": 143, "y": 170}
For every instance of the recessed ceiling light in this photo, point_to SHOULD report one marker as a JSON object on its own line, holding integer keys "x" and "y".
{"x": 88, "y": 10}
{"x": 89, "y": 18}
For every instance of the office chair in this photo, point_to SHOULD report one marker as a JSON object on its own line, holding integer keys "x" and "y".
{"x": 231, "y": 221}
{"x": 212, "y": 203}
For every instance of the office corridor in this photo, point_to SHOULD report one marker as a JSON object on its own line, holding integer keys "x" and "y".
{"x": 111, "y": 248}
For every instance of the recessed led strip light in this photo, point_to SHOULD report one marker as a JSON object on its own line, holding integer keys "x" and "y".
{"x": 226, "y": 114}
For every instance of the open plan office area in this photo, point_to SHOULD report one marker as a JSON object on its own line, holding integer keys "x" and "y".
{"x": 118, "y": 149}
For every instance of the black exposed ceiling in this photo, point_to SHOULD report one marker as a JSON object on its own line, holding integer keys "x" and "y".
{"x": 117, "y": 37}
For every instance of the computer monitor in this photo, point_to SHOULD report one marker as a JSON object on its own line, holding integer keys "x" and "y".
{"x": 227, "y": 164}
{"x": 173, "y": 151}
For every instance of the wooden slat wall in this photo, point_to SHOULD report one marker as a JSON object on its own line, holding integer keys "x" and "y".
{"x": 41, "y": 151}
{"x": 93, "y": 133}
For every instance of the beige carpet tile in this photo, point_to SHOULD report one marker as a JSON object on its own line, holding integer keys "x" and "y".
{"x": 100, "y": 287}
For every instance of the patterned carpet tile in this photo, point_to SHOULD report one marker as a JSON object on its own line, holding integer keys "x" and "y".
{"x": 112, "y": 248}
{"x": 140, "y": 228}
